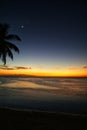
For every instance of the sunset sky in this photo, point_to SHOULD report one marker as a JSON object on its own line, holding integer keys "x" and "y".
{"x": 54, "y": 37}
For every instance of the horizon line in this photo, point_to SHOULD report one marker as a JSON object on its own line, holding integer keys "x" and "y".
{"x": 49, "y": 76}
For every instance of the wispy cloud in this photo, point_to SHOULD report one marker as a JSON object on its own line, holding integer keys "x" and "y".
{"x": 6, "y": 68}
{"x": 2, "y": 67}
{"x": 57, "y": 68}
{"x": 13, "y": 68}
{"x": 40, "y": 67}
{"x": 72, "y": 68}
{"x": 85, "y": 67}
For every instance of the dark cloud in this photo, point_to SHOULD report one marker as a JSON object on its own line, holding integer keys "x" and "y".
{"x": 22, "y": 67}
{"x": 6, "y": 67}
{"x": 13, "y": 68}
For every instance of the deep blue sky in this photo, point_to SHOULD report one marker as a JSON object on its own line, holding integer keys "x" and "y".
{"x": 54, "y": 33}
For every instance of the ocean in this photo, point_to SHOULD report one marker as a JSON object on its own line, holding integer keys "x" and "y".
{"x": 68, "y": 95}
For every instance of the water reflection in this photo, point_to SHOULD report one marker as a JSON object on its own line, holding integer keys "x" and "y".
{"x": 46, "y": 87}
{"x": 53, "y": 94}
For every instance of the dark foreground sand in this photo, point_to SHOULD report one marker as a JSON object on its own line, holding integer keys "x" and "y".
{"x": 31, "y": 120}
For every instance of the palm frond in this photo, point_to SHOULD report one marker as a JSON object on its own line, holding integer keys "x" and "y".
{"x": 6, "y": 47}
{"x": 12, "y": 46}
{"x": 0, "y": 54}
{"x": 10, "y": 53}
{"x": 13, "y": 37}
{"x": 4, "y": 58}
{"x": 4, "y": 53}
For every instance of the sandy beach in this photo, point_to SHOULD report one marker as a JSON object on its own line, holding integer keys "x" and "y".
{"x": 37, "y": 120}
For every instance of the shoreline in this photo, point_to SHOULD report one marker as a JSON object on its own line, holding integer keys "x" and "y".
{"x": 42, "y": 111}
{"x": 14, "y": 119}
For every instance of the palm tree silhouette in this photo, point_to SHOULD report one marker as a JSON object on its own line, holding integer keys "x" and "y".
{"x": 6, "y": 47}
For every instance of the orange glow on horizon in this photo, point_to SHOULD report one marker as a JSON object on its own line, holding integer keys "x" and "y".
{"x": 61, "y": 73}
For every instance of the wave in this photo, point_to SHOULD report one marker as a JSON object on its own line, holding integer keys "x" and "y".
{"x": 55, "y": 86}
